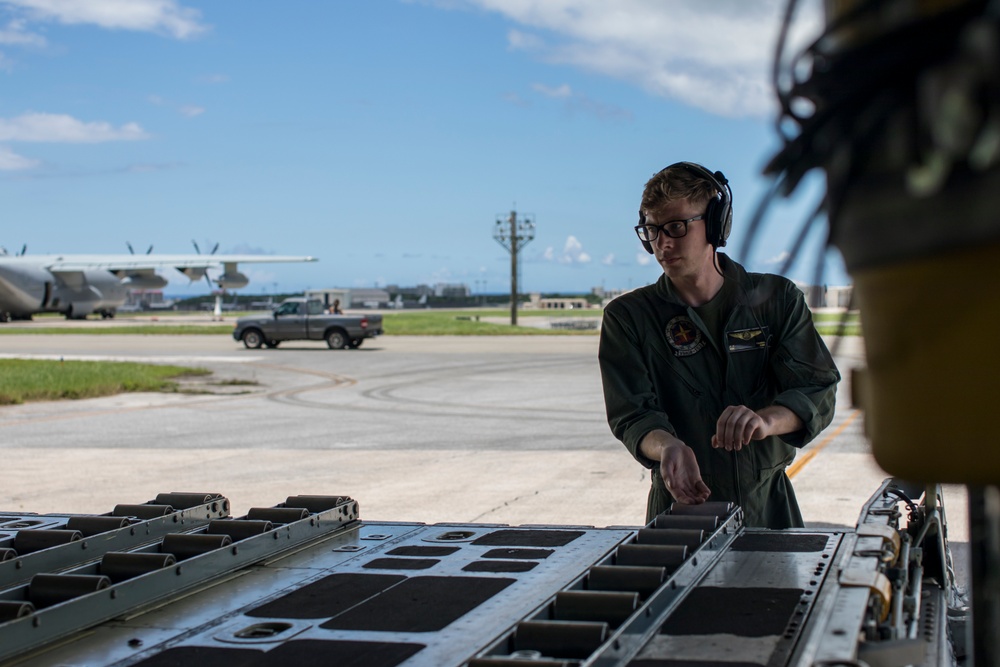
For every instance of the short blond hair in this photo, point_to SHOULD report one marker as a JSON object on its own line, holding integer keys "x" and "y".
{"x": 673, "y": 183}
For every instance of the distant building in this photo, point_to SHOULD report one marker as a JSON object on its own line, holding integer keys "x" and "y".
{"x": 822, "y": 296}
{"x": 416, "y": 292}
{"x": 452, "y": 290}
{"x": 557, "y": 303}
{"x": 351, "y": 297}
{"x": 146, "y": 300}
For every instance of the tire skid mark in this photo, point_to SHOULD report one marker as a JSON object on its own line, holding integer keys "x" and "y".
{"x": 334, "y": 381}
{"x": 385, "y": 394}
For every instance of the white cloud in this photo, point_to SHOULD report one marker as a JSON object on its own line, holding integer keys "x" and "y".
{"x": 61, "y": 128}
{"x": 16, "y": 34}
{"x": 643, "y": 258}
{"x": 573, "y": 252}
{"x": 11, "y": 161}
{"x": 609, "y": 259}
{"x": 559, "y": 91}
{"x": 159, "y": 16}
{"x": 714, "y": 56}
{"x": 579, "y": 102}
{"x": 779, "y": 258}
{"x": 191, "y": 110}
{"x": 516, "y": 100}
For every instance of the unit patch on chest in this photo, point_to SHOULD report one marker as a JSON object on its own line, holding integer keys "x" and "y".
{"x": 684, "y": 336}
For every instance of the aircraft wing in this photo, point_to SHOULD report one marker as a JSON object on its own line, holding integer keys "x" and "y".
{"x": 70, "y": 263}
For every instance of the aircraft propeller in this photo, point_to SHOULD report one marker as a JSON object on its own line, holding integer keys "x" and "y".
{"x": 208, "y": 278}
{"x": 198, "y": 250}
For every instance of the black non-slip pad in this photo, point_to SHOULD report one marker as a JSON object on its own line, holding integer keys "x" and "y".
{"x": 784, "y": 542}
{"x": 202, "y": 656}
{"x": 340, "y": 653}
{"x": 745, "y": 612}
{"x": 528, "y": 538}
{"x": 400, "y": 563}
{"x": 518, "y": 553}
{"x": 426, "y": 552}
{"x": 328, "y": 596}
{"x": 691, "y": 663}
{"x": 499, "y": 566}
{"x": 420, "y": 604}
{"x": 305, "y": 652}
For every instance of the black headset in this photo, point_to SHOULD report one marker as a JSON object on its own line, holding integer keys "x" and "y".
{"x": 718, "y": 214}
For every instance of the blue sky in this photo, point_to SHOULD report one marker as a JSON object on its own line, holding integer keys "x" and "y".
{"x": 383, "y": 136}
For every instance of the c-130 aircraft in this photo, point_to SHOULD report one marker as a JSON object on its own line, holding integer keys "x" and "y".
{"x": 78, "y": 285}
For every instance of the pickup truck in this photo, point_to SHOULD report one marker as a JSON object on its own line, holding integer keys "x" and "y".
{"x": 306, "y": 319}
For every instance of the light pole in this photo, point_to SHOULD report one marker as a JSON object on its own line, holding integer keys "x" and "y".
{"x": 513, "y": 234}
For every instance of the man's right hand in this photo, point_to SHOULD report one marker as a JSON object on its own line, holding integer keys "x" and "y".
{"x": 678, "y": 467}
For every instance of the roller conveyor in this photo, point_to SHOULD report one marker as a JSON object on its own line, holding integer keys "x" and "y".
{"x": 307, "y": 582}
{"x": 34, "y": 543}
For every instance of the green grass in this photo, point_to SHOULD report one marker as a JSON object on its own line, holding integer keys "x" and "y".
{"x": 41, "y": 380}
{"x": 461, "y": 323}
{"x": 138, "y": 329}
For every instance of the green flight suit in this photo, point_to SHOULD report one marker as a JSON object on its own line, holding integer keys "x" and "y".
{"x": 662, "y": 369}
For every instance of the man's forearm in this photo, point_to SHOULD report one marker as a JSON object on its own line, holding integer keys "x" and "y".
{"x": 654, "y": 442}
{"x": 779, "y": 420}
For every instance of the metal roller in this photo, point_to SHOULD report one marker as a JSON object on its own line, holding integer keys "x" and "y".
{"x": 669, "y": 556}
{"x": 45, "y": 590}
{"x": 11, "y": 609}
{"x": 29, "y": 541}
{"x": 277, "y": 514}
{"x": 642, "y": 580}
{"x": 603, "y": 606}
{"x": 183, "y": 545}
{"x": 238, "y": 529}
{"x": 560, "y": 639}
{"x": 93, "y": 525}
{"x": 316, "y": 503}
{"x": 142, "y": 511}
{"x": 719, "y": 508}
{"x": 518, "y": 662}
{"x": 186, "y": 500}
{"x": 119, "y": 566}
{"x": 8, "y": 554}
{"x": 687, "y": 537}
{"x": 690, "y": 521}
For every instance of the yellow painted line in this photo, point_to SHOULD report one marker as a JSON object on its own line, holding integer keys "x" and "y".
{"x": 801, "y": 461}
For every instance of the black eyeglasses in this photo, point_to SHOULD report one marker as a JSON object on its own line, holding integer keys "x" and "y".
{"x": 675, "y": 229}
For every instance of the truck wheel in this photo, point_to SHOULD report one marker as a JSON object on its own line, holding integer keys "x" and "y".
{"x": 253, "y": 338}
{"x": 272, "y": 343}
{"x": 336, "y": 339}
{"x": 356, "y": 343}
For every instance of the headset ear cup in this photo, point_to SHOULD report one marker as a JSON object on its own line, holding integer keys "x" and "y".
{"x": 712, "y": 229}
{"x": 726, "y": 225}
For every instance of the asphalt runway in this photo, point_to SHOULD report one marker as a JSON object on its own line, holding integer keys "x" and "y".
{"x": 507, "y": 430}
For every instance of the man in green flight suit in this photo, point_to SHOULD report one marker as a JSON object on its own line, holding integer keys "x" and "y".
{"x": 713, "y": 376}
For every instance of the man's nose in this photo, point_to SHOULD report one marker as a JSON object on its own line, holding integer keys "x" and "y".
{"x": 663, "y": 241}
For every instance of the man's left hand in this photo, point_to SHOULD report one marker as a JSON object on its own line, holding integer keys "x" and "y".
{"x": 737, "y": 426}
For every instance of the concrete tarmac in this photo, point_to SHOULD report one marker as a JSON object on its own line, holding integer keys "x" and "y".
{"x": 507, "y": 430}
